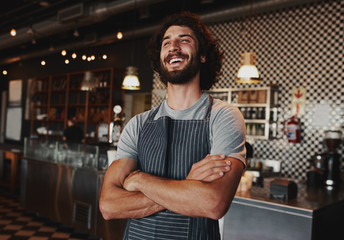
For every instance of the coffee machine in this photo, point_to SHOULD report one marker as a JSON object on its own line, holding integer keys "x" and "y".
{"x": 331, "y": 159}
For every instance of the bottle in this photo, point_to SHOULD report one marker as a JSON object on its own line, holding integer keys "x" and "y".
{"x": 254, "y": 113}
{"x": 248, "y": 129}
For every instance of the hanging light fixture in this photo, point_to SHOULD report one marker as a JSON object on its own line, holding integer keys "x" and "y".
{"x": 248, "y": 72}
{"x": 88, "y": 82}
{"x": 131, "y": 79}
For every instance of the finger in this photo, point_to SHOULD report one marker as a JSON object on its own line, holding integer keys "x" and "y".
{"x": 217, "y": 172}
{"x": 213, "y": 177}
{"x": 208, "y": 159}
{"x": 214, "y": 167}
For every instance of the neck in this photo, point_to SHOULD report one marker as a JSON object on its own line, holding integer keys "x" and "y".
{"x": 183, "y": 96}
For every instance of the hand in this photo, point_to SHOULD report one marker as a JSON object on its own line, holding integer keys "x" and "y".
{"x": 131, "y": 180}
{"x": 209, "y": 169}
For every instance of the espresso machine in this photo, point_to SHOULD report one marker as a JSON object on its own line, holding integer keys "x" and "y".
{"x": 331, "y": 159}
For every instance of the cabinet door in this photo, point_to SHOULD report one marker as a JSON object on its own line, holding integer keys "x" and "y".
{"x": 56, "y": 116}
{"x": 76, "y": 101}
{"x": 99, "y": 106}
{"x": 39, "y": 106}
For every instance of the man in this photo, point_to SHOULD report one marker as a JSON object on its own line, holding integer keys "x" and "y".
{"x": 72, "y": 133}
{"x": 178, "y": 165}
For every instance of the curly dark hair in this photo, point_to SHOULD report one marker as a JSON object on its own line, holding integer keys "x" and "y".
{"x": 208, "y": 47}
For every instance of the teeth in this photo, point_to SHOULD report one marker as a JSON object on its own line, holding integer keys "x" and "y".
{"x": 175, "y": 60}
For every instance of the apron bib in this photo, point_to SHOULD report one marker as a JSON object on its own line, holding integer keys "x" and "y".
{"x": 168, "y": 148}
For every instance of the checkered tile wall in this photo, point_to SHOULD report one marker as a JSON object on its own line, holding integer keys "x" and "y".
{"x": 296, "y": 47}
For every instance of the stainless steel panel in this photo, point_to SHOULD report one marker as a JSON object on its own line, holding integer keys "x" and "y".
{"x": 67, "y": 194}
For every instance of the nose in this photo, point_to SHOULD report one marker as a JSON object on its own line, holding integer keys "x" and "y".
{"x": 174, "y": 46}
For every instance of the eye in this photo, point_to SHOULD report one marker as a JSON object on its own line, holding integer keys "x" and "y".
{"x": 186, "y": 40}
{"x": 165, "y": 43}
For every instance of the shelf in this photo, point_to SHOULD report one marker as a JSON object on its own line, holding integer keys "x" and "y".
{"x": 259, "y": 106}
{"x": 40, "y": 105}
{"x": 76, "y": 105}
{"x": 57, "y": 105}
{"x": 98, "y": 105}
{"x": 250, "y": 104}
{"x": 263, "y": 121}
{"x": 39, "y": 120}
{"x": 41, "y": 92}
{"x": 256, "y": 136}
{"x": 60, "y": 95}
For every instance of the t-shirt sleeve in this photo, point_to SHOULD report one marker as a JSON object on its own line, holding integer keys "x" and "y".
{"x": 228, "y": 132}
{"x": 127, "y": 144}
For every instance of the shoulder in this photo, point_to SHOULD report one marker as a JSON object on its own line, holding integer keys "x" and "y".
{"x": 222, "y": 109}
{"x": 135, "y": 124}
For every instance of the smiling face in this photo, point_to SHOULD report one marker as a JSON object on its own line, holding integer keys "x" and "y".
{"x": 179, "y": 57}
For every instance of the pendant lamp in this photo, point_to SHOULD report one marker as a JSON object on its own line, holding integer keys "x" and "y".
{"x": 248, "y": 72}
{"x": 131, "y": 80}
{"x": 88, "y": 82}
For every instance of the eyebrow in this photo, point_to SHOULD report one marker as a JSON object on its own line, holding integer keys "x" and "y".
{"x": 180, "y": 35}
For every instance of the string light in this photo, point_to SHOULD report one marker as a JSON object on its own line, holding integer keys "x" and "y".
{"x": 84, "y": 57}
{"x": 119, "y": 35}
{"x": 4, "y": 72}
{"x": 13, "y": 32}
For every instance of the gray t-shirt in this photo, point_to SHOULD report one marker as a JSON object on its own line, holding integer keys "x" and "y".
{"x": 227, "y": 128}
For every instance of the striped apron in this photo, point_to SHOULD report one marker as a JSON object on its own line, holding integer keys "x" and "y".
{"x": 168, "y": 148}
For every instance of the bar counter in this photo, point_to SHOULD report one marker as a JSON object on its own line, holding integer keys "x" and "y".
{"x": 316, "y": 213}
{"x": 63, "y": 183}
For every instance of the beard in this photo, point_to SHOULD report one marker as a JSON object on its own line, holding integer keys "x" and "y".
{"x": 182, "y": 76}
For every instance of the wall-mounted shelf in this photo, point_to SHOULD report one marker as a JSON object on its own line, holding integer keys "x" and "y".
{"x": 259, "y": 106}
{"x": 57, "y": 96}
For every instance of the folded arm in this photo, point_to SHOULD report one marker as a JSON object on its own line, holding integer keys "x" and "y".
{"x": 190, "y": 197}
{"x": 116, "y": 201}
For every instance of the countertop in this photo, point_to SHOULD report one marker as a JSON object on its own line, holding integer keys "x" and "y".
{"x": 309, "y": 199}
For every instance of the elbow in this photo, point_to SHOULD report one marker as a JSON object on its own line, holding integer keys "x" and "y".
{"x": 218, "y": 212}
{"x": 105, "y": 210}
{"x": 217, "y": 208}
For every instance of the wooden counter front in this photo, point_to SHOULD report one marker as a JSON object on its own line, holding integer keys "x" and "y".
{"x": 14, "y": 156}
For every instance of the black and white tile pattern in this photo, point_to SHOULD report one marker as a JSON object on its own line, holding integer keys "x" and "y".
{"x": 18, "y": 224}
{"x": 296, "y": 47}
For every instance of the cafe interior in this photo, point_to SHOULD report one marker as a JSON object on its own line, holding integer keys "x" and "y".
{"x": 62, "y": 59}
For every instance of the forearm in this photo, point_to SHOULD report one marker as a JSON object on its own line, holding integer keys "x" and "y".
{"x": 188, "y": 197}
{"x": 116, "y": 202}
{"x": 124, "y": 204}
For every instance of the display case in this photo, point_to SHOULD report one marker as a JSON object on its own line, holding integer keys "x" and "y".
{"x": 56, "y": 98}
{"x": 72, "y": 154}
{"x": 259, "y": 107}
{"x": 62, "y": 182}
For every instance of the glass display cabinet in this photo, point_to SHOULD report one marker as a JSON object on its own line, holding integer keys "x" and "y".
{"x": 73, "y": 154}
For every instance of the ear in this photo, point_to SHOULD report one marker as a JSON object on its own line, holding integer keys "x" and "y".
{"x": 203, "y": 60}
